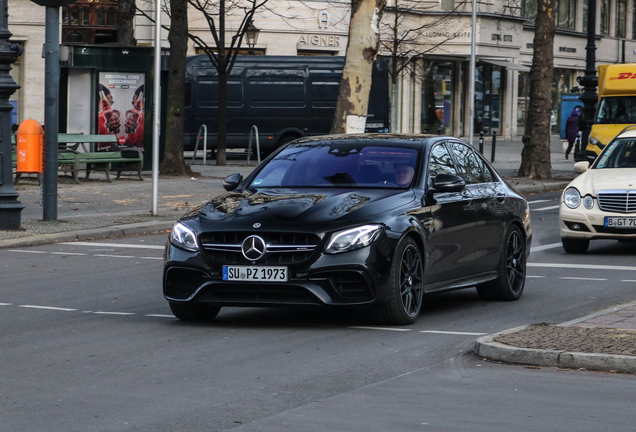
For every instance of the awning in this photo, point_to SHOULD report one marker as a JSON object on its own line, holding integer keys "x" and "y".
{"x": 507, "y": 64}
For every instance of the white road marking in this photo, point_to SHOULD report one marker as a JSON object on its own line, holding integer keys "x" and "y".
{"x": 582, "y": 266}
{"x": 152, "y": 258}
{"x": 545, "y": 247}
{"x": 27, "y": 251}
{"x": 113, "y": 256}
{"x": 47, "y": 308}
{"x": 537, "y": 277}
{"x": 628, "y": 280}
{"x": 160, "y": 315}
{"x": 453, "y": 333}
{"x": 380, "y": 328}
{"x": 538, "y": 201}
{"x": 583, "y": 278}
{"x": 113, "y": 313}
{"x": 117, "y": 245}
{"x": 68, "y": 253}
{"x": 6, "y": 304}
{"x": 546, "y": 208}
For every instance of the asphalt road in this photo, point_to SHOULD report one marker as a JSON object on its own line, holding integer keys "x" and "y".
{"x": 89, "y": 344}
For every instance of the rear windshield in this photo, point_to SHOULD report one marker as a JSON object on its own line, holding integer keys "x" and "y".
{"x": 337, "y": 166}
{"x": 620, "y": 153}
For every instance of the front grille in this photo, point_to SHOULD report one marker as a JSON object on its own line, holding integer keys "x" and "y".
{"x": 619, "y": 201}
{"x": 182, "y": 283}
{"x": 350, "y": 285}
{"x": 607, "y": 230}
{"x": 283, "y": 248}
{"x": 265, "y": 293}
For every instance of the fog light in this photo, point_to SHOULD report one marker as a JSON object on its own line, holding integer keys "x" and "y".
{"x": 575, "y": 227}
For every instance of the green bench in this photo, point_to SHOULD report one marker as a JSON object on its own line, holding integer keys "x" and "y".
{"x": 70, "y": 158}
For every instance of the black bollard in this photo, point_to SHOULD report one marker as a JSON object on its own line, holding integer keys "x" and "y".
{"x": 481, "y": 142}
{"x": 494, "y": 144}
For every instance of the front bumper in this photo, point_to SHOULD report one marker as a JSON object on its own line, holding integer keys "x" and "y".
{"x": 359, "y": 277}
{"x": 591, "y": 224}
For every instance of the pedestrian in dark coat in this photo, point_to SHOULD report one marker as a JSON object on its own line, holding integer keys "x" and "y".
{"x": 571, "y": 130}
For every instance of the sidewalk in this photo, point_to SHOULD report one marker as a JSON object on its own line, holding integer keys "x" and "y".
{"x": 97, "y": 209}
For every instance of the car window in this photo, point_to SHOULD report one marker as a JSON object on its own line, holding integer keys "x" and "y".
{"x": 337, "y": 165}
{"x": 471, "y": 167}
{"x": 620, "y": 153}
{"x": 440, "y": 162}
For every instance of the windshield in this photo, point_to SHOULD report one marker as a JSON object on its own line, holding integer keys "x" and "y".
{"x": 616, "y": 110}
{"x": 620, "y": 153}
{"x": 350, "y": 165}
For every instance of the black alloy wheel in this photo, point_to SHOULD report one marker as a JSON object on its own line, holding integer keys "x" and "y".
{"x": 407, "y": 278}
{"x": 511, "y": 271}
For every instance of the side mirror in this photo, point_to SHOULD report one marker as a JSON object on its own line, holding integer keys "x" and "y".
{"x": 581, "y": 167}
{"x": 232, "y": 181}
{"x": 448, "y": 183}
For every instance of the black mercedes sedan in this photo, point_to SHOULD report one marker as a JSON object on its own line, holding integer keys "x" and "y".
{"x": 370, "y": 220}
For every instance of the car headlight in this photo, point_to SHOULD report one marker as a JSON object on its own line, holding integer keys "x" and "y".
{"x": 593, "y": 141}
{"x": 588, "y": 202}
{"x": 572, "y": 198}
{"x": 355, "y": 238}
{"x": 184, "y": 237}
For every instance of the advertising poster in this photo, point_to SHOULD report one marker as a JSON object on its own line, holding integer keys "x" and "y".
{"x": 120, "y": 109}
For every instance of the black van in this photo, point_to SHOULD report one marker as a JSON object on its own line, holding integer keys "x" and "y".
{"x": 286, "y": 97}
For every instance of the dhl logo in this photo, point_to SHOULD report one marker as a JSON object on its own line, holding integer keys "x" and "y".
{"x": 624, "y": 75}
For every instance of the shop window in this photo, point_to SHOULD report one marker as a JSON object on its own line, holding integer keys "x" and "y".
{"x": 84, "y": 16}
{"x": 437, "y": 97}
{"x": 100, "y": 17}
{"x": 565, "y": 14}
{"x": 110, "y": 18}
{"x": 621, "y": 18}
{"x": 605, "y": 17}
{"x": 529, "y": 9}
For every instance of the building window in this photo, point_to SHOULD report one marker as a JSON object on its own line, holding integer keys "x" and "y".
{"x": 621, "y": 18}
{"x": 90, "y": 21}
{"x": 605, "y": 17}
{"x": 565, "y": 14}
{"x": 448, "y": 5}
{"x": 634, "y": 20}
{"x": 585, "y": 16}
{"x": 529, "y": 9}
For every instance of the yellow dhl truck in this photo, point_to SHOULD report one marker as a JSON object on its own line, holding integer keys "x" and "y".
{"x": 616, "y": 105}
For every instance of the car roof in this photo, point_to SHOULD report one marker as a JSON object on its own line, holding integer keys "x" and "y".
{"x": 628, "y": 132}
{"x": 384, "y": 139}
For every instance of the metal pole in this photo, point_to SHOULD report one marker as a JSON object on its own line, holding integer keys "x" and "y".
{"x": 51, "y": 111}
{"x": 471, "y": 79}
{"x": 157, "y": 109}
{"x": 10, "y": 207}
{"x": 494, "y": 145}
{"x": 589, "y": 82}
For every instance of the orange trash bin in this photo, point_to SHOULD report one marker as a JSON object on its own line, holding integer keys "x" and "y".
{"x": 30, "y": 147}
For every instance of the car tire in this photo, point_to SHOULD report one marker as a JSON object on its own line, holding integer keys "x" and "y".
{"x": 511, "y": 270}
{"x": 407, "y": 286}
{"x": 194, "y": 312}
{"x": 575, "y": 246}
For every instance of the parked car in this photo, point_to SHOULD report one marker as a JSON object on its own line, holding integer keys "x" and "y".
{"x": 372, "y": 220}
{"x": 601, "y": 202}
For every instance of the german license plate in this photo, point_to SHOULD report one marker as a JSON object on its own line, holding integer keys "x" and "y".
{"x": 255, "y": 273}
{"x": 620, "y": 222}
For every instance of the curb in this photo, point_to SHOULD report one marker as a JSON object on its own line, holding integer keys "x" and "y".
{"x": 69, "y": 236}
{"x": 541, "y": 187}
{"x": 487, "y": 348}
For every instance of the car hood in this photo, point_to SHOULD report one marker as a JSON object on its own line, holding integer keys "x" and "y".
{"x": 594, "y": 180}
{"x": 310, "y": 206}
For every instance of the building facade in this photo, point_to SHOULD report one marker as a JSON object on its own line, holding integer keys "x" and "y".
{"x": 430, "y": 41}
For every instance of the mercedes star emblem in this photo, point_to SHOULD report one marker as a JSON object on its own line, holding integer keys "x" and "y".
{"x": 253, "y": 248}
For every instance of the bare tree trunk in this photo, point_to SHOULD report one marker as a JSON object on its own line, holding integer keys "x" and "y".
{"x": 535, "y": 157}
{"x": 173, "y": 162}
{"x": 362, "y": 48}
{"x": 125, "y": 23}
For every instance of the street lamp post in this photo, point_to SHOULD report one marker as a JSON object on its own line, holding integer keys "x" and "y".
{"x": 251, "y": 33}
{"x": 589, "y": 81}
{"x": 10, "y": 207}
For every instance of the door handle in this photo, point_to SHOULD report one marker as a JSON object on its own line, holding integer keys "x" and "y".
{"x": 467, "y": 198}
